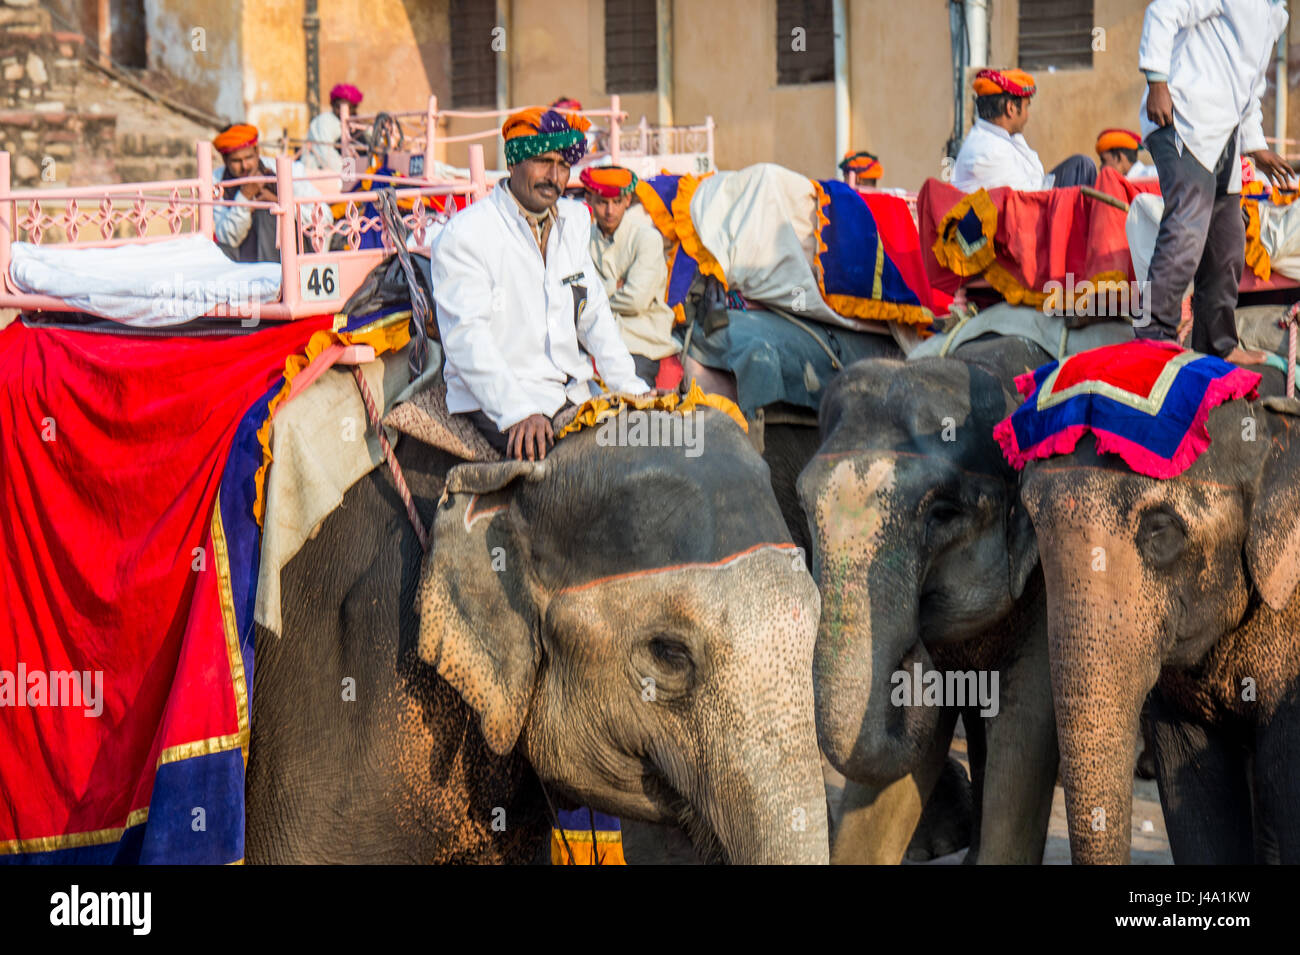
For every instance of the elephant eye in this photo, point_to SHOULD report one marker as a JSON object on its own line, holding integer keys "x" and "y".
{"x": 670, "y": 652}
{"x": 1161, "y": 537}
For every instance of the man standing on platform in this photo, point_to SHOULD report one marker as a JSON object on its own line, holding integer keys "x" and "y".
{"x": 1205, "y": 62}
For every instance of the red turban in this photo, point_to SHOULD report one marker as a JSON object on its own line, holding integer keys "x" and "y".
{"x": 566, "y": 103}
{"x": 865, "y": 165}
{"x": 348, "y": 92}
{"x": 608, "y": 181}
{"x": 993, "y": 82}
{"x": 235, "y": 137}
{"x": 1118, "y": 139}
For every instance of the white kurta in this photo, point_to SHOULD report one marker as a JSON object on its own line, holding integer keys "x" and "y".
{"x": 1215, "y": 54}
{"x": 322, "y": 152}
{"x": 513, "y": 347}
{"x": 991, "y": 157}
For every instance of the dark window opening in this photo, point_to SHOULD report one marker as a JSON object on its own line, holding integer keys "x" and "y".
{"x": 631, "y": 46}
{"x": 1056, "y": 33}
{"x": 805, "y": 42}
{"x": 473, "y": 61}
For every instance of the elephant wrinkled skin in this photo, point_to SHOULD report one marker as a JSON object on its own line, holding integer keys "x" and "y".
{"x": 925, "y": 559}
{"x": 1186, "y": 588}
{"x": 631, "y": 626}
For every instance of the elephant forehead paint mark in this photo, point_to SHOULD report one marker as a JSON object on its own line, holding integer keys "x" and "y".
{"x": 473, "y": 513}
{"x": 848, "y": 501}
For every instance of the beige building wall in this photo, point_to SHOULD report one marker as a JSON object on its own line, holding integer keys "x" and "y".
{"x": 1073, "y": 106}
{"x": 275, "y": 67}
{"x": 724, "y": 65}
{"x": 395, "y": 52}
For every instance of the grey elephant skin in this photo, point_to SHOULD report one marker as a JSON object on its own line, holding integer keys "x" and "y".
{"x": 630, "y": 627}
{"x": 1185, "y": 588}
{"x": 925, "y": 557}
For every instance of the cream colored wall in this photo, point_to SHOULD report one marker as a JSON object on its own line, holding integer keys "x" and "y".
{"x": 210, "y": 77}
{"x": 275, "y": 66}
{"x": 395, "y": 52}
{"x": 900, "y": 78}
{"x": 725, "y": 65}
{"x": 1073, "y": 106}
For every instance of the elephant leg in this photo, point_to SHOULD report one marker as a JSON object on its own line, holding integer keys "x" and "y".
{"x": 877, "y": 823}
{"x": 1277, "y": 787}
{"x": 1014, "y": 792}
{"x": 1204, "y": 789}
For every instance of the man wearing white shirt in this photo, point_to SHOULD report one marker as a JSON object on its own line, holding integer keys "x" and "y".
{"x": 995, "y": 152}
{"x": 1205, "y": 62}
{"x": 520, "y": 304}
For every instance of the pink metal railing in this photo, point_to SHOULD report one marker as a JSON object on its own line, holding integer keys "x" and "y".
{"x": 94, "y": 217}
{"x": 420, "y": 130}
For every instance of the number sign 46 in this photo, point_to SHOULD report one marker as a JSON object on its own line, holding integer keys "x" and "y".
{"x": 319, "y": 283}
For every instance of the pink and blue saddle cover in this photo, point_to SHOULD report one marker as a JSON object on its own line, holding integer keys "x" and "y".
{"x": 1146, "y": 401}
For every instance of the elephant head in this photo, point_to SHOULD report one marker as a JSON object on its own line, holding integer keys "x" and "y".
{"x": 638, "y": 622}
{"x": 917, "y": 539}
{"x": 1145, "y": 574}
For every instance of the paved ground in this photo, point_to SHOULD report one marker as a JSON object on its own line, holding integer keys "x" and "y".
{"x": 1150, "y": 842}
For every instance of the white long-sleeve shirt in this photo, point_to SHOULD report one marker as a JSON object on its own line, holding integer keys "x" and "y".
{"x": 230, "y": 224}
{"x": 1215, "y": 54}
{"x": 513, "y": 344}
{"x": 991, "y": 157}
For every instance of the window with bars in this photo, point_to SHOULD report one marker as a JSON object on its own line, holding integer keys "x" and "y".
{"x": 473, "y": 61}
{"x": 805, "y": 47}
{"x": 631, "y": 46}
{"x": 1056, "y": 33}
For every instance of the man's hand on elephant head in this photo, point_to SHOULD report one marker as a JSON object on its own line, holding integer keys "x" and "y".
{"x": 530, "y": 438}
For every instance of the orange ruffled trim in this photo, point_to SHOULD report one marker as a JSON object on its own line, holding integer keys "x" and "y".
{"x": 852, "y": 306}
{"x": 1257, "y": 258}
{"x": 659, "y": 214}
{"x": 595, "y": 410}
{"x": 947, "y": 246}
{"x": 389, "y": 334}
{"x": 686, "y": 233}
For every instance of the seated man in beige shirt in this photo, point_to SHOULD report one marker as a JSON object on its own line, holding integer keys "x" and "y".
{"x": 629, "y": 255}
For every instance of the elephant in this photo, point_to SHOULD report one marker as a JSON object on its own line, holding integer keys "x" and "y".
{"x": 1183, "y": 589}
{"x": 629, "y": 629}
{"x": 789, "y": 437}
{"x": 926, "y": 561}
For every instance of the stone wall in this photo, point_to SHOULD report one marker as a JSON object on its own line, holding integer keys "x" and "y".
{"x": 50, "y": 139}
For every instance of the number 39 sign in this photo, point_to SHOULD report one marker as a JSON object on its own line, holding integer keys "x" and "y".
{"x": 319, "y": 283}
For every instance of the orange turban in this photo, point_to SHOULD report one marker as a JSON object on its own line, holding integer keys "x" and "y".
{"x": 865, "y": 165}
{"x": 993, "y": 82}
{"x": 1118, "y": 139}
{"x": 235, "y": 137}
{"x": 538, "y": 129}
{"x": 608, "y": 181}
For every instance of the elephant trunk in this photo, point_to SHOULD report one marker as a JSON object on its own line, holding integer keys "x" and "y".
{"x": 1102, "y": 668}
{"x": 869, "y": 624}
{"x": 783, "y": 822}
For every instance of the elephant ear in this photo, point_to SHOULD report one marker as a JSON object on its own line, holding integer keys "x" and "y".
{"x": 1273, "y": 540}
{"x": 477, "y": 606}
